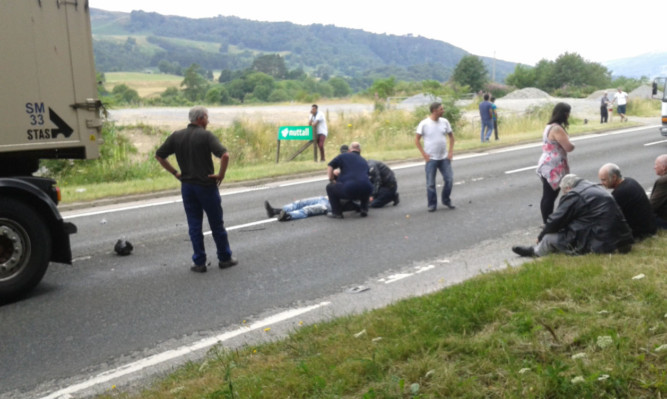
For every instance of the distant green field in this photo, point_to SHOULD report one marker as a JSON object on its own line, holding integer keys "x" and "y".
{"x": 146, "y": 84}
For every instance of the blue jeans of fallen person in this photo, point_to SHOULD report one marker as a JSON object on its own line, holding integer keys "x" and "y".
{"x": 308, "y": 207}
{"x": 445, "y": 168}
{"x": 198, "y": 199}
{"x": 487, "y": 125}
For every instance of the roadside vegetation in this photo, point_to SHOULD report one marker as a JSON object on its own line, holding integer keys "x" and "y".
{"x": 559, "y": 327}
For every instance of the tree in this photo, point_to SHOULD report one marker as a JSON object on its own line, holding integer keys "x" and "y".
{"x": 523, "y": 76}
{"x": 340, "y": 86}
{"x": 124, "y": 94}
{"x": 383, "y": 88}
{"x": 270, "y": 64}
{"x": 225, "y": 76}
{"x": 471, "y": 71}
{"x": 195, "y": 83}
{"x": 217, "y": 95}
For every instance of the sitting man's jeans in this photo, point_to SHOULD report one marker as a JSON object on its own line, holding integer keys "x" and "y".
{"x": 198, "y": 199}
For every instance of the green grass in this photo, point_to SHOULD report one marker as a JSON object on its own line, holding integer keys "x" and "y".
{"x": 558, "y": 327}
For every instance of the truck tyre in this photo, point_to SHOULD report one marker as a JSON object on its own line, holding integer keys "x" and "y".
{"x": 25, "y": 248}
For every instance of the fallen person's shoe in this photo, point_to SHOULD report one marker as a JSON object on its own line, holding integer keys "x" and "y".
{"x": 270, "y": 211}
{"x": 284, "y": 216}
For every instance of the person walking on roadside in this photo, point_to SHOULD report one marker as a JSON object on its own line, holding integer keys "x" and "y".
{"x": 437, "y": 153}
{"x": 553, "y": 165}
{"x": 486, "y": 116}
{"x": 494, "y": 112}
{"x": 193, "y": 147}
{"x": 352, "y": 182}
{"x": 621, "y": 99}
{"x": 319, "y": 124}
{"x": 604, "y": 107}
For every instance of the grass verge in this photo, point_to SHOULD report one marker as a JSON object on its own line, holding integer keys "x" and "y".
{"x": 558, "y": 327}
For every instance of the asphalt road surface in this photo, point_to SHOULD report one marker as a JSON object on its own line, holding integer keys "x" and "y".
{"x": 107, "y": 319}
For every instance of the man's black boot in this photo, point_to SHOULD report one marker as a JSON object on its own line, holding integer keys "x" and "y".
{"x": 524, "y": 251}
{"x": 270, "y": 211}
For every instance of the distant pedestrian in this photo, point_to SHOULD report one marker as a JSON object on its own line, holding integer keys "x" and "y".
{"x": 193, "y": 147}
{"x": 319, "y": 124}
{"x": 621, "y": 99}
{"x": 553, "y": 164}
{"x": 604, "y": 107}
{"x": 494, "y": 112}
{"x": 437, "y": 153}
{"x": 486, "y": 118}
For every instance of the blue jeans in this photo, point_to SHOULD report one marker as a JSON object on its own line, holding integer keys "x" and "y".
{"x": 488, "y": 126}
{"x": 445, "y": 168}
{"x": 198, "y": 199}
{"x": 308, "y": 207}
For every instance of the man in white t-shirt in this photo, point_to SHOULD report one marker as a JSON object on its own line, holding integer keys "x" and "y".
{"x": 437, "y": 153}
{"x": 621, "y": 99}
{"x": 319, "y": 124}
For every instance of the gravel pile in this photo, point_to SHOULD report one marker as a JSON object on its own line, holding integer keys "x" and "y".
{"x": 527, "y": 93}
{"x": 597, "y": 95}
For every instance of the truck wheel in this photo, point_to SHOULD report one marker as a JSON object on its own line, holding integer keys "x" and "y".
{"x": 25, "y": 248}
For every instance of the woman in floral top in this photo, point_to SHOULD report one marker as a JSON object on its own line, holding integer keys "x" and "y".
{"x": 553, "y": 162}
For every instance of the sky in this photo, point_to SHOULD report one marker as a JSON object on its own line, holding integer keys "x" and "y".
{"x": 524, "y": 31}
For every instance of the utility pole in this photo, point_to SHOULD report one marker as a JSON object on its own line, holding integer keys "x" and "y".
{"x": 493, "y": 68}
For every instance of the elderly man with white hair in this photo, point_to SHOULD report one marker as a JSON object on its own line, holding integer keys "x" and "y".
{"x": 631, "y": 198}
{"x": 587, "y": 220}
{"x": 659, "y": 192}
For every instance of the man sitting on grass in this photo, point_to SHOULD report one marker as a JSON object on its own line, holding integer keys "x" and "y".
{"x": 587, "y": 220}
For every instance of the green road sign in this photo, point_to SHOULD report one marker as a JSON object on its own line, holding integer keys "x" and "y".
{"x": 295, "y": 133}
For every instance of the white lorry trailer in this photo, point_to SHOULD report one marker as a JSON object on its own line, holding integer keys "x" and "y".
{"x": 48, "y": 109}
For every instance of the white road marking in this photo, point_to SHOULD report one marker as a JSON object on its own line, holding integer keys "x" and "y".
{"x": 178, "y": 352}
{"x": 509, "y": 172}
{"x": 655, "y": 142}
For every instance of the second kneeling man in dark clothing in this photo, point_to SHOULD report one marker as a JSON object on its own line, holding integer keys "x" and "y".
{"x": 352, "y": 183}
{"x": 385, "y": 189}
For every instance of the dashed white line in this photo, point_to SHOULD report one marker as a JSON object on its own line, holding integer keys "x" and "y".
{"x": 509, "y": 172}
